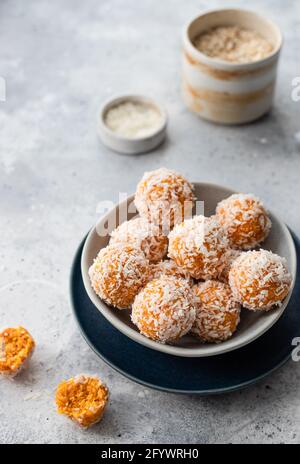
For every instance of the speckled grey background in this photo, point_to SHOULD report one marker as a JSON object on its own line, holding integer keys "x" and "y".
{"x": 60, "y": 61}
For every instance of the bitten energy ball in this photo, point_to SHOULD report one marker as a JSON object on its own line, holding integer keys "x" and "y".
{"x": 259, "y": 280}
{"x": 82, "y": 399}
{"x": 165, "y": 309}
{"x": 168, "y": 267}
{"x": 16, "y": 348}
{"x": 144, "y": 235}
{"x": 198, "y": 245}
{"x": 217, "y": 315}
{"x": 244, "y": 219}
{"x": 118, "y": 273}
{"x": 164, "y": 197}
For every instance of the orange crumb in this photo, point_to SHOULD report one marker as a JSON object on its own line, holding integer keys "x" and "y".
{"x": 16, "y": 347}
{"x": 82, "y": 399}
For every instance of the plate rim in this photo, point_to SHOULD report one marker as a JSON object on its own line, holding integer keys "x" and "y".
{"x": 171, "y": 349}
{"x": 206, "y": 392}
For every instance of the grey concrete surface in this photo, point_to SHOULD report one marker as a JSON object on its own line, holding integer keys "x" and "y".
{"x": 60, "y": 60}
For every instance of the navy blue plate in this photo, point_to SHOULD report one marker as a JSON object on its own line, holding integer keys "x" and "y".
{"x": 203, "y": 376}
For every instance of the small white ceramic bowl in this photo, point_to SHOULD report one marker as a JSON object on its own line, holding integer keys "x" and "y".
{"x": 252, "y": 325}
{"x": 222, "y": 91}
{"x": 131, "y": 146}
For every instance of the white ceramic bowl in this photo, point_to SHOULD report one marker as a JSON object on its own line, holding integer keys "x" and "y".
{"x": 131, "y": 146}
{"x": 252, "y": 325}
{"x": 222, "y": 91}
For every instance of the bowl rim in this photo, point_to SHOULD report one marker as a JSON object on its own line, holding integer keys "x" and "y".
{"x": 227, "y": 65}
{"x": 210, "y": 350}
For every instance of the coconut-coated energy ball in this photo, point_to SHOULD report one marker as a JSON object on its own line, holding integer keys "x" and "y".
{"x": 218, "y": 314}
{"x": 259, "y": 280}
{"x": 16, "y": 348}
{"x": 165, "y": 309}
{"x": 144, "y": 235}
{"x": 244, "y": 219}
{"x": 164, "y": 197}
{"x": 118, "y": 274}
{"x": 83, "y": 399}
{"x": 198, "y": 245}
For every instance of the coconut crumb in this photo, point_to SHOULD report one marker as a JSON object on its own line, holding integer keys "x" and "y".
{"x": 234, "y": 44}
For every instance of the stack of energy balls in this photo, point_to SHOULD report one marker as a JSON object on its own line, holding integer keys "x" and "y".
{"x": 180, "y": 273}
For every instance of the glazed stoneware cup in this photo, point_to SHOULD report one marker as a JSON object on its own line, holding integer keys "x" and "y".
{"x": 222, "y": 91}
